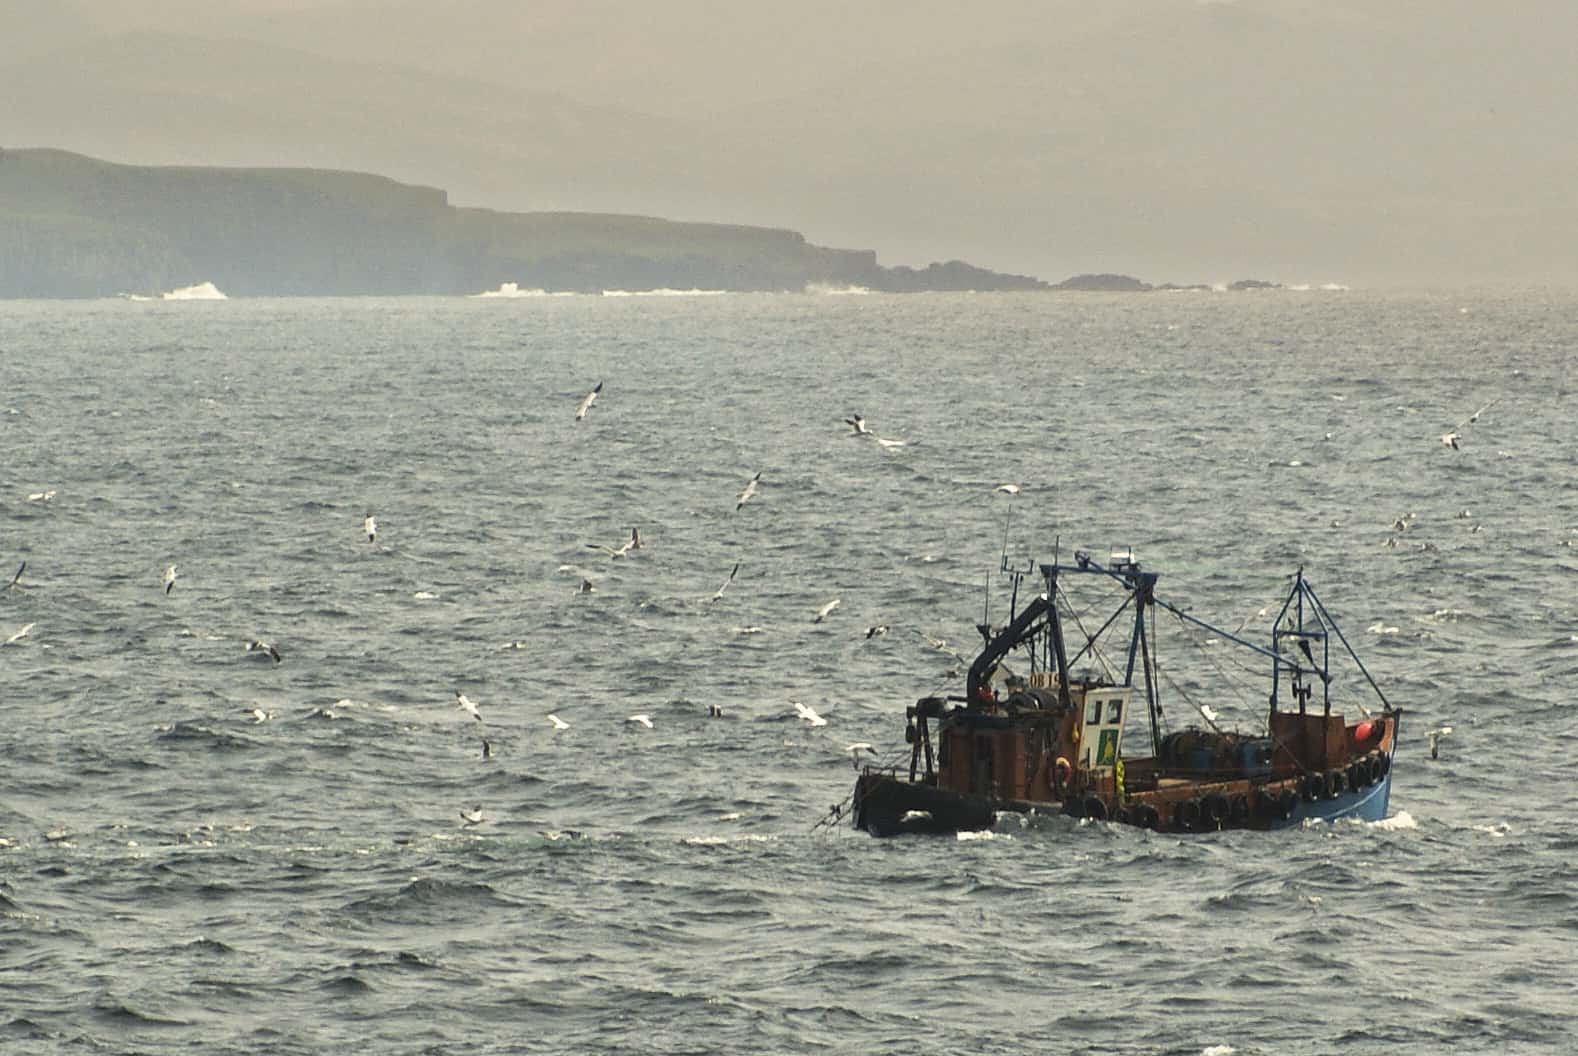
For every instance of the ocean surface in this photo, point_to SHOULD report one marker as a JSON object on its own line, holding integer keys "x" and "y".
{"x": 208, "y": 852}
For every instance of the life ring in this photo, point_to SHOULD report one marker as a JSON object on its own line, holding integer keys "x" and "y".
{"x": 1094, "y": 808}
{"x": 1186, "y": 815}
{"x": 1062, "y": 770}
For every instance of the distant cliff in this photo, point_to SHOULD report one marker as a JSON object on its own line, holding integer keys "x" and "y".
{"x": 72, "y": 226}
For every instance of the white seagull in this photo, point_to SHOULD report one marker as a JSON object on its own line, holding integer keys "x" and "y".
{"x": 1451, "y": 437}
{"x": 257, "y": 645}
{"x": 19, "y": 635}
{"x": 19, "y": 570}
{"x": 472, "y": 817}
{"x": 1007, "y": 489}
{"x": 876, "y": 630}
{"x": 857, "y": 425}
{"x": 642, "y": 720}
{"x": 42, "y": 496}
{"x": 826, "y": 610}
{"x": 169, "y": 579}
{"x": 1434, "y": 737}
{"x": 467, "y": 705}
{"x": 732, "y": 572}
{"x": 808, "y": 713}
{"x": 748, "y": 491}
{"x": 633, "y": 543}
{"x": 558, "y": 723}
{"x": 855, "y": 749}
{"x": 890, "y": 443}
{"x": 370, "y": 526}
{"x": 586, "y": 587}
{"x": 586, "y": 401}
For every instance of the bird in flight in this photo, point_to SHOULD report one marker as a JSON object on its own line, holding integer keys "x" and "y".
{"x": 827, "y": 610}
{"x": 587, "y": 400}
{"x": 1451, "y": 437}
{"x": 257, "y": 645}
{"x": 370, "y": 526}
{"x": 169, "y": 579}
{"x": 748, "y": 491}
{"x": 467, "y": 705}
{"x": 732, "y": 572}
{"x": 633, "y": 543}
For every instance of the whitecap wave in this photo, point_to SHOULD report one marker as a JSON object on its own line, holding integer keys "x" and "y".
{"x": 1397, "y": 822}
{"x": 203, "y": 291}
{"x": 984, "y": 834}
{"x": 830, "y": 289}
{"x": 664, "y": 292}
{"x": 511, "y": 289}
{"x": 1218, "y": 1050}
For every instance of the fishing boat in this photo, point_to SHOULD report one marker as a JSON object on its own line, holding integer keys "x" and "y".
{"x": 1051, "y": 698}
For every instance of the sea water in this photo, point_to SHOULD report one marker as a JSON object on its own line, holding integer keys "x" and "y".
{"x": 208, "y": 852}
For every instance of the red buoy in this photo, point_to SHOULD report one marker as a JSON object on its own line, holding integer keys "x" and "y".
{"x": 1364, "y": 731}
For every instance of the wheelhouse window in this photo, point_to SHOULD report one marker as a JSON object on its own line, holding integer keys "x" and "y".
{"x": 1092, "y": 712}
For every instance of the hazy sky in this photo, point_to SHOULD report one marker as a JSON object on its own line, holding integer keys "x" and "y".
{"x": 1360, "y": 142}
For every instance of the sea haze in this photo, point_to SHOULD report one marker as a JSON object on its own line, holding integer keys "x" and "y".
{"x": 208, "y": 852}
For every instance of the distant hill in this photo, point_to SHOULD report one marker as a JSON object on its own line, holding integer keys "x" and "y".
{"x": 73, "y": 226}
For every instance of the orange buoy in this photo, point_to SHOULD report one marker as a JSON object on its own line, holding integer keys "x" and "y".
{"x": 1364, "y": 731}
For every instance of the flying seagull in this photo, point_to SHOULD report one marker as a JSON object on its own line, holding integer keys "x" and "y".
{"x": 732, "y": 572}
{"x": 169, "y": 579}
{"x": 1434, "y": 737}
{"x": 876, "y": 630}
{"x": 467, "y": 705}
{"x": 19, "y": 635}
{"x": 586, "y": 587}
{"x": 1007, "y": 489}
{"x": 857, "y": 425}
{"x": 642, "y": 720}
{"x": 1451, "y": 437}
{"x": 42, "y": 496}
{"x": 748, "y": 491}
{"x": 808, "y": 713}
{"x": 370, "y": 526}
{"x": 472, "y": 817}
{"x": 633, "y": 543}
{"x": 487, "y": 748}
{"x": 19, "y": 570}
{"x": 826, "y": 610}
{"x": 558, "y": 723}
{"x": 855, "y": 749}
{"x": 257, "y": 645}
{"x": 586, "y": 401}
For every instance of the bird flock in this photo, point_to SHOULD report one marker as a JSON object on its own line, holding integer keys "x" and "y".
{"x": 859, "y": 429}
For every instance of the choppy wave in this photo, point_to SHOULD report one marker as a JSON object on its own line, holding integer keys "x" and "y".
{"x": 831, "y": 289}
{"x": 180, "y": 876}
